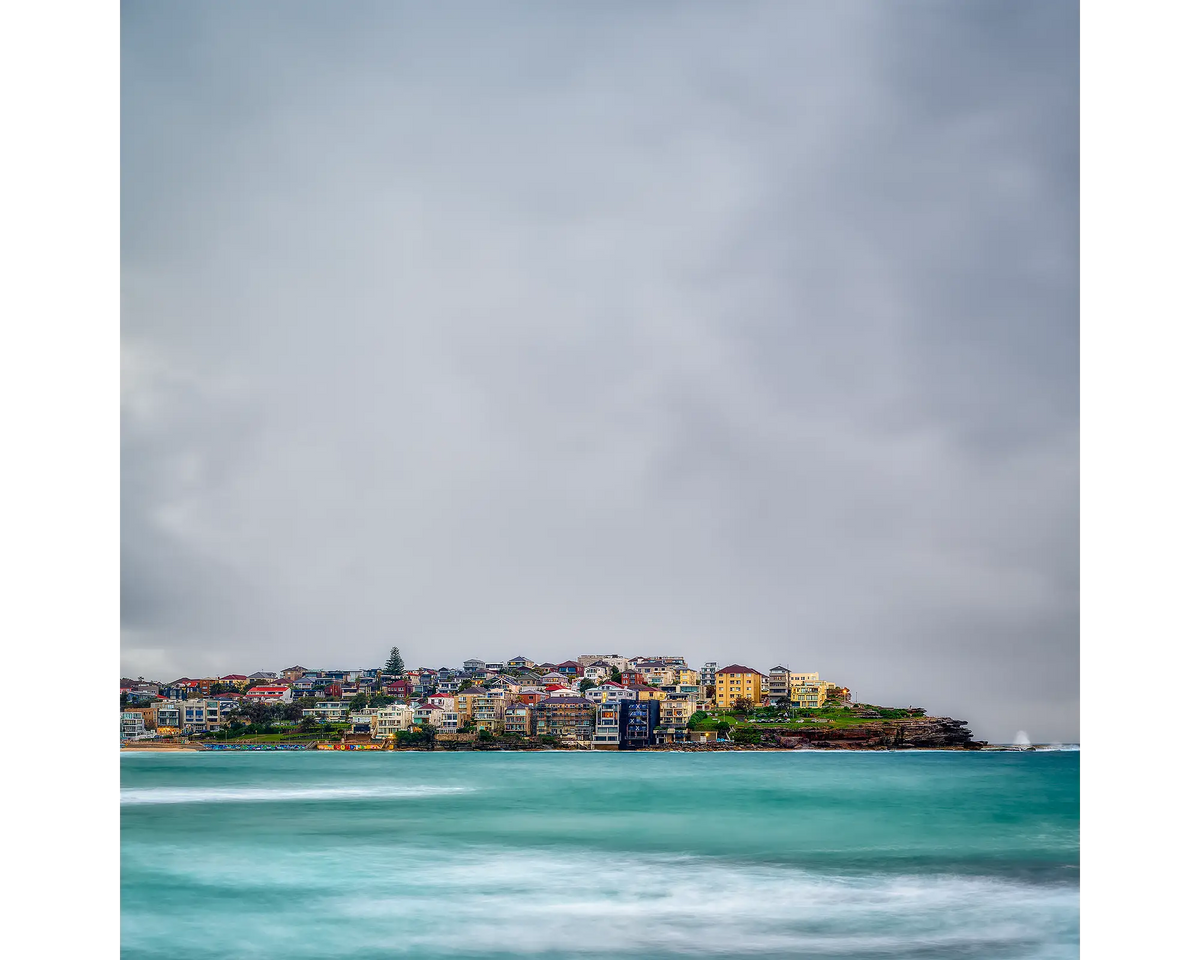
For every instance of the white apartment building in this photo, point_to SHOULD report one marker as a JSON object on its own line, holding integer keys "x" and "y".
{"x": 387, "y": 720}
{"x": 610, "y": 693}
{"x": 207, "y": 714}
{"x": 362, "y": 717}
{"x": 598, "y": 671}
{"x": 270, "y": 693}
{"x": 132, "y": 725}
{"x": 778, "y": 683}
{"x": 608, "y": 724}
{"x": 167, "y": 715}
{"x": 328, "y": 711}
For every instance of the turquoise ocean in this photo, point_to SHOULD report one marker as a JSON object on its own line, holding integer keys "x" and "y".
{"x": 571, "y": 854}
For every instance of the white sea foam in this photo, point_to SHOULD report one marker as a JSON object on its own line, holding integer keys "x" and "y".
{"x": 145, "y": 795}
{"x": 689, "y": 906}
{"x": 489, "y": 901}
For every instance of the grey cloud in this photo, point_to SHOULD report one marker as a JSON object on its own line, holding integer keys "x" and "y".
{"x": 748, "y": 331}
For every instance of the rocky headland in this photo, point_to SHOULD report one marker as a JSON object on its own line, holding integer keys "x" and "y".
{"x": 909, "y": 733}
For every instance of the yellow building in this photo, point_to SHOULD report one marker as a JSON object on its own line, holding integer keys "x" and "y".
{"x": 487, "y": 713}
{"x": 796, "y": 681}
{"x": 465, "y": 704}
{"x": 687, "y": 676}
{"x": 676, "y": 711}
{"x": 646, "y": 692}
{"x": 736, "y": 681}
{"x": 657, "y": 673}
{"x": 811, "y": 694}
{"x": 149, "y": 715}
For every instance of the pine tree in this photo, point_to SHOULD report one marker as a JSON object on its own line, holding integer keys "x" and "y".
{"x": 395, "y": 663}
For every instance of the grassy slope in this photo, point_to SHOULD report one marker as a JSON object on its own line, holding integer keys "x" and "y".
{"x": 834, "y": 717}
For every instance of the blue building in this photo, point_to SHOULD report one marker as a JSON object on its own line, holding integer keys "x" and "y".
{"x": 638, "y": 720}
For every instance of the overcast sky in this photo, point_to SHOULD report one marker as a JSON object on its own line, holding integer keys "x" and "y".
{"x": 740, "y": 331}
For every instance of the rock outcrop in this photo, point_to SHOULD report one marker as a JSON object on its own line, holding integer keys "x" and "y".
{"x": 908, "y": 733}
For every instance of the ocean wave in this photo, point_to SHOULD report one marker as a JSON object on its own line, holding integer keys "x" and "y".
{"x": 690, "y": 906}
{"x": 149, "y": 795}
{"x": 827, "y": 859}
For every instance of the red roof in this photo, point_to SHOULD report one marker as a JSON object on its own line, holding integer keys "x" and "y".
{"x": 234, "y": 676}
{"x": 263, "y": 691}
{"x": 738, "y": 668}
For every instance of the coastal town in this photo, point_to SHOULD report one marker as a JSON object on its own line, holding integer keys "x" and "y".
{"x": 596, "y": 702}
